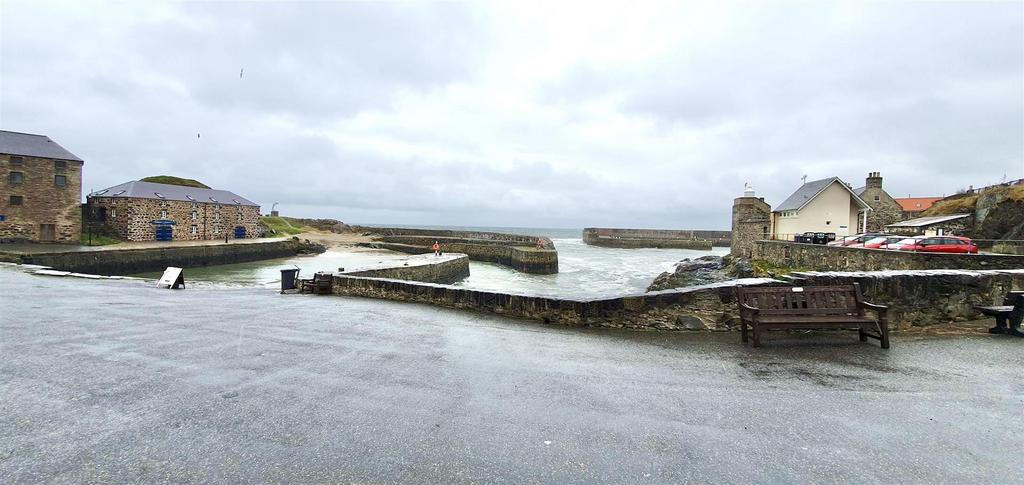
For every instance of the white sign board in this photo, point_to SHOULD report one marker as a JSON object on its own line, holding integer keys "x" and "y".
{"x": 172, "y": 278}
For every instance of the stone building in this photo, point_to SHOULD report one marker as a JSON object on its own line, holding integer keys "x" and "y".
{"x": 914, "y": 206}
{"x": 751, "y": 221}
{"x": 147, "y": 211}
{"x": 41, "y": 190}
{"x": 884, "y": 209}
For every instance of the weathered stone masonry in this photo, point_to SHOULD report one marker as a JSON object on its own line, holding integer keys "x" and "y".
{"x": 655, "y": 238}
{"x": 516, "y": 251}
{"x": 43, "y": 203}
{"x": 833, "y": 258}
{"x": 131, "y": 218}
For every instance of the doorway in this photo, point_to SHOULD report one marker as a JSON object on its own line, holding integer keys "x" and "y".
{"x": 47, "y": 233}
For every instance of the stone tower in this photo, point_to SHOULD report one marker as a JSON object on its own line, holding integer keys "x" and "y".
{"x": 884, "y": 209}
{"x": 751, "y": 221}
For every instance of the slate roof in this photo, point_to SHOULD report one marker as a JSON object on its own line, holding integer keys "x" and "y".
{"x": 150, "y": 190}
{"x": 810, "y": 190}
{"x": 29, "y": 145}
{"x": 928, "y": 221}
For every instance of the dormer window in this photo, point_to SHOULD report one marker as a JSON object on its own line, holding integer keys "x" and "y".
{"x": 100, "y": 192}
{"x": 158, "y": 194}
{"x": 119, "y": 192}
{"x": 215, "y": 201}
{"x": 189, "y": 197}
{"x": 236, "y": 201}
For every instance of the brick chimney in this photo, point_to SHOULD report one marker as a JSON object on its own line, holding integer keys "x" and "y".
{"x": 874, "y": 180}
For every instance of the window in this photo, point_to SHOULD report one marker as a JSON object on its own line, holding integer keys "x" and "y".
{"x": 16, "y": 178}
{"x": 60, "y": 180}
{"x": 195, "y": 216}
{"x": 16, "y": 161}
{"x": 163, "y": 214}
{"x": 195, "y": 230}
{"x": 113, "y": 212}
{"x": 60, "y": 165}
{"x": 878, "y": 198}
{"x": 16, "y": 200}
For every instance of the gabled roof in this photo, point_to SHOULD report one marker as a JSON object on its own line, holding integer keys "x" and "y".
{"x": 810, "y": 190}
{"x": 927, "y": 221}
{"x": 150, "y": 190}
{"x": 29, "y": 145}
{"x": 917, "y": 204}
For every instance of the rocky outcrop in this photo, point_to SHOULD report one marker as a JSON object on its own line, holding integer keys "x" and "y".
{"x": 692, "y": 272}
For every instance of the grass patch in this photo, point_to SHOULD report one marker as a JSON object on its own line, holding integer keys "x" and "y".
{"x": 171, "y": 180}
{"x": 98, "y": 240}
{"x": 281, "y": 226}
{"x": 764, "y": 269}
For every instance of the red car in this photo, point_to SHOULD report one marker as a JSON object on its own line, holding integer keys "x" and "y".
{"x": 941, "y": 244}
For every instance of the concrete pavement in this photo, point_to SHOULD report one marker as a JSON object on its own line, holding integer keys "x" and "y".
{"x": 106, "y": 381}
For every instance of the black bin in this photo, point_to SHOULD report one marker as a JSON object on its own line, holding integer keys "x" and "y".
{"x": 288, "y": 277}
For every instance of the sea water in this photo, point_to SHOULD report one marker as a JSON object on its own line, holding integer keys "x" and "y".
{"x": 584, "y": 271}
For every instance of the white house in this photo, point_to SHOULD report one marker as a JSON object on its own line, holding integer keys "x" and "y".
{"x": 826, "y": 205}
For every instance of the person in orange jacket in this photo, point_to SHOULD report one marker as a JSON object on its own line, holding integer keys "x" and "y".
{"x": 437, "y": 248}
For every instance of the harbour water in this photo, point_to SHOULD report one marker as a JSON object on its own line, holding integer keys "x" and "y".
{"x": 584, "y": 271}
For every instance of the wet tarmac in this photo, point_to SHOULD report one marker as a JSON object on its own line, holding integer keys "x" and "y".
{"x": 117, "y": 381}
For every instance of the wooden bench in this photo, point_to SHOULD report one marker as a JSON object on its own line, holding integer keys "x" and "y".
{"x": 320, "y": 284}
{"x": 810, "y": 307}
{"x": 1011, "y": 311}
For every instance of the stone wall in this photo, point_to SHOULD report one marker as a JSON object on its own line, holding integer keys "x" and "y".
{"x": 915, "y": 298}
{"x": 131, "y": 261}
{"x": 448, "y": 268}
{"x": 925, "y": 297}
{"x": 834, "y": 258}
{"x": 42, "y": 201}
{"x": 130, "y": 219}
{"x": 517, "y": 251}
{"x": 710, "y": 307}
{"x": 519, "y": 258}
{"x": 655, "y": 238}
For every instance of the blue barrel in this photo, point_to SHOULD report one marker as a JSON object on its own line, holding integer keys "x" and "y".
{"x": 288, "y": 277}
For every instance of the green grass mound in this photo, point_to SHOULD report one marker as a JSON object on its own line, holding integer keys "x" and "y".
{"x": 170, "y": 180}
{"x": 280, "y": 226}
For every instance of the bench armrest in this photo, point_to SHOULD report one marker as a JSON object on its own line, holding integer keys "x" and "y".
{"x": 872, "y": 306}
{"x": 748, "y": 310}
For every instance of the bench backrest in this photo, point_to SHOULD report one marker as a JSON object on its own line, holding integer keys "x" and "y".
{"x": 809, "y": 300}
{"x": 1014, "y": 298}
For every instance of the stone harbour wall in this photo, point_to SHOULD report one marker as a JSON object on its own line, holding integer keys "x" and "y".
{"x": 915, "y": 298}
{"x": 832, "y": 258}
{"x": 656, "y": 238}
{"x": 517, "y": 251}
{"x": 924, "y": 297}
{"x": 448, "y": 268}
{"x": 709, "y": 307}
{"x": 132, "y": 261}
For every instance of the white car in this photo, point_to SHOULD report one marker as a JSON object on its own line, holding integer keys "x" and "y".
{"x": 909, "y": 240}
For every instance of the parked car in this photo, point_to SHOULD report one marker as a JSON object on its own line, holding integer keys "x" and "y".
{"x": 857, "y": 239}
{"x": 882, "y": 242}
{"x": 942, "y": 244}
{"x": 815, "y": 237}
{"x": 904, "y": 242}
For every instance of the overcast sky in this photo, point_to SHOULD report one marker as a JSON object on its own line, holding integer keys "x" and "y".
{"x": 637, "y": 114}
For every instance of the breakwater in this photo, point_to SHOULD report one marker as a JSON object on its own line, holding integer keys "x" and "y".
{"x": 529, "y": 254}
{"x": 141, "y": 260}
{"x": 656, "y": 238}
{"x": 447, "y": 268}
{"x": 782, "y": 254}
